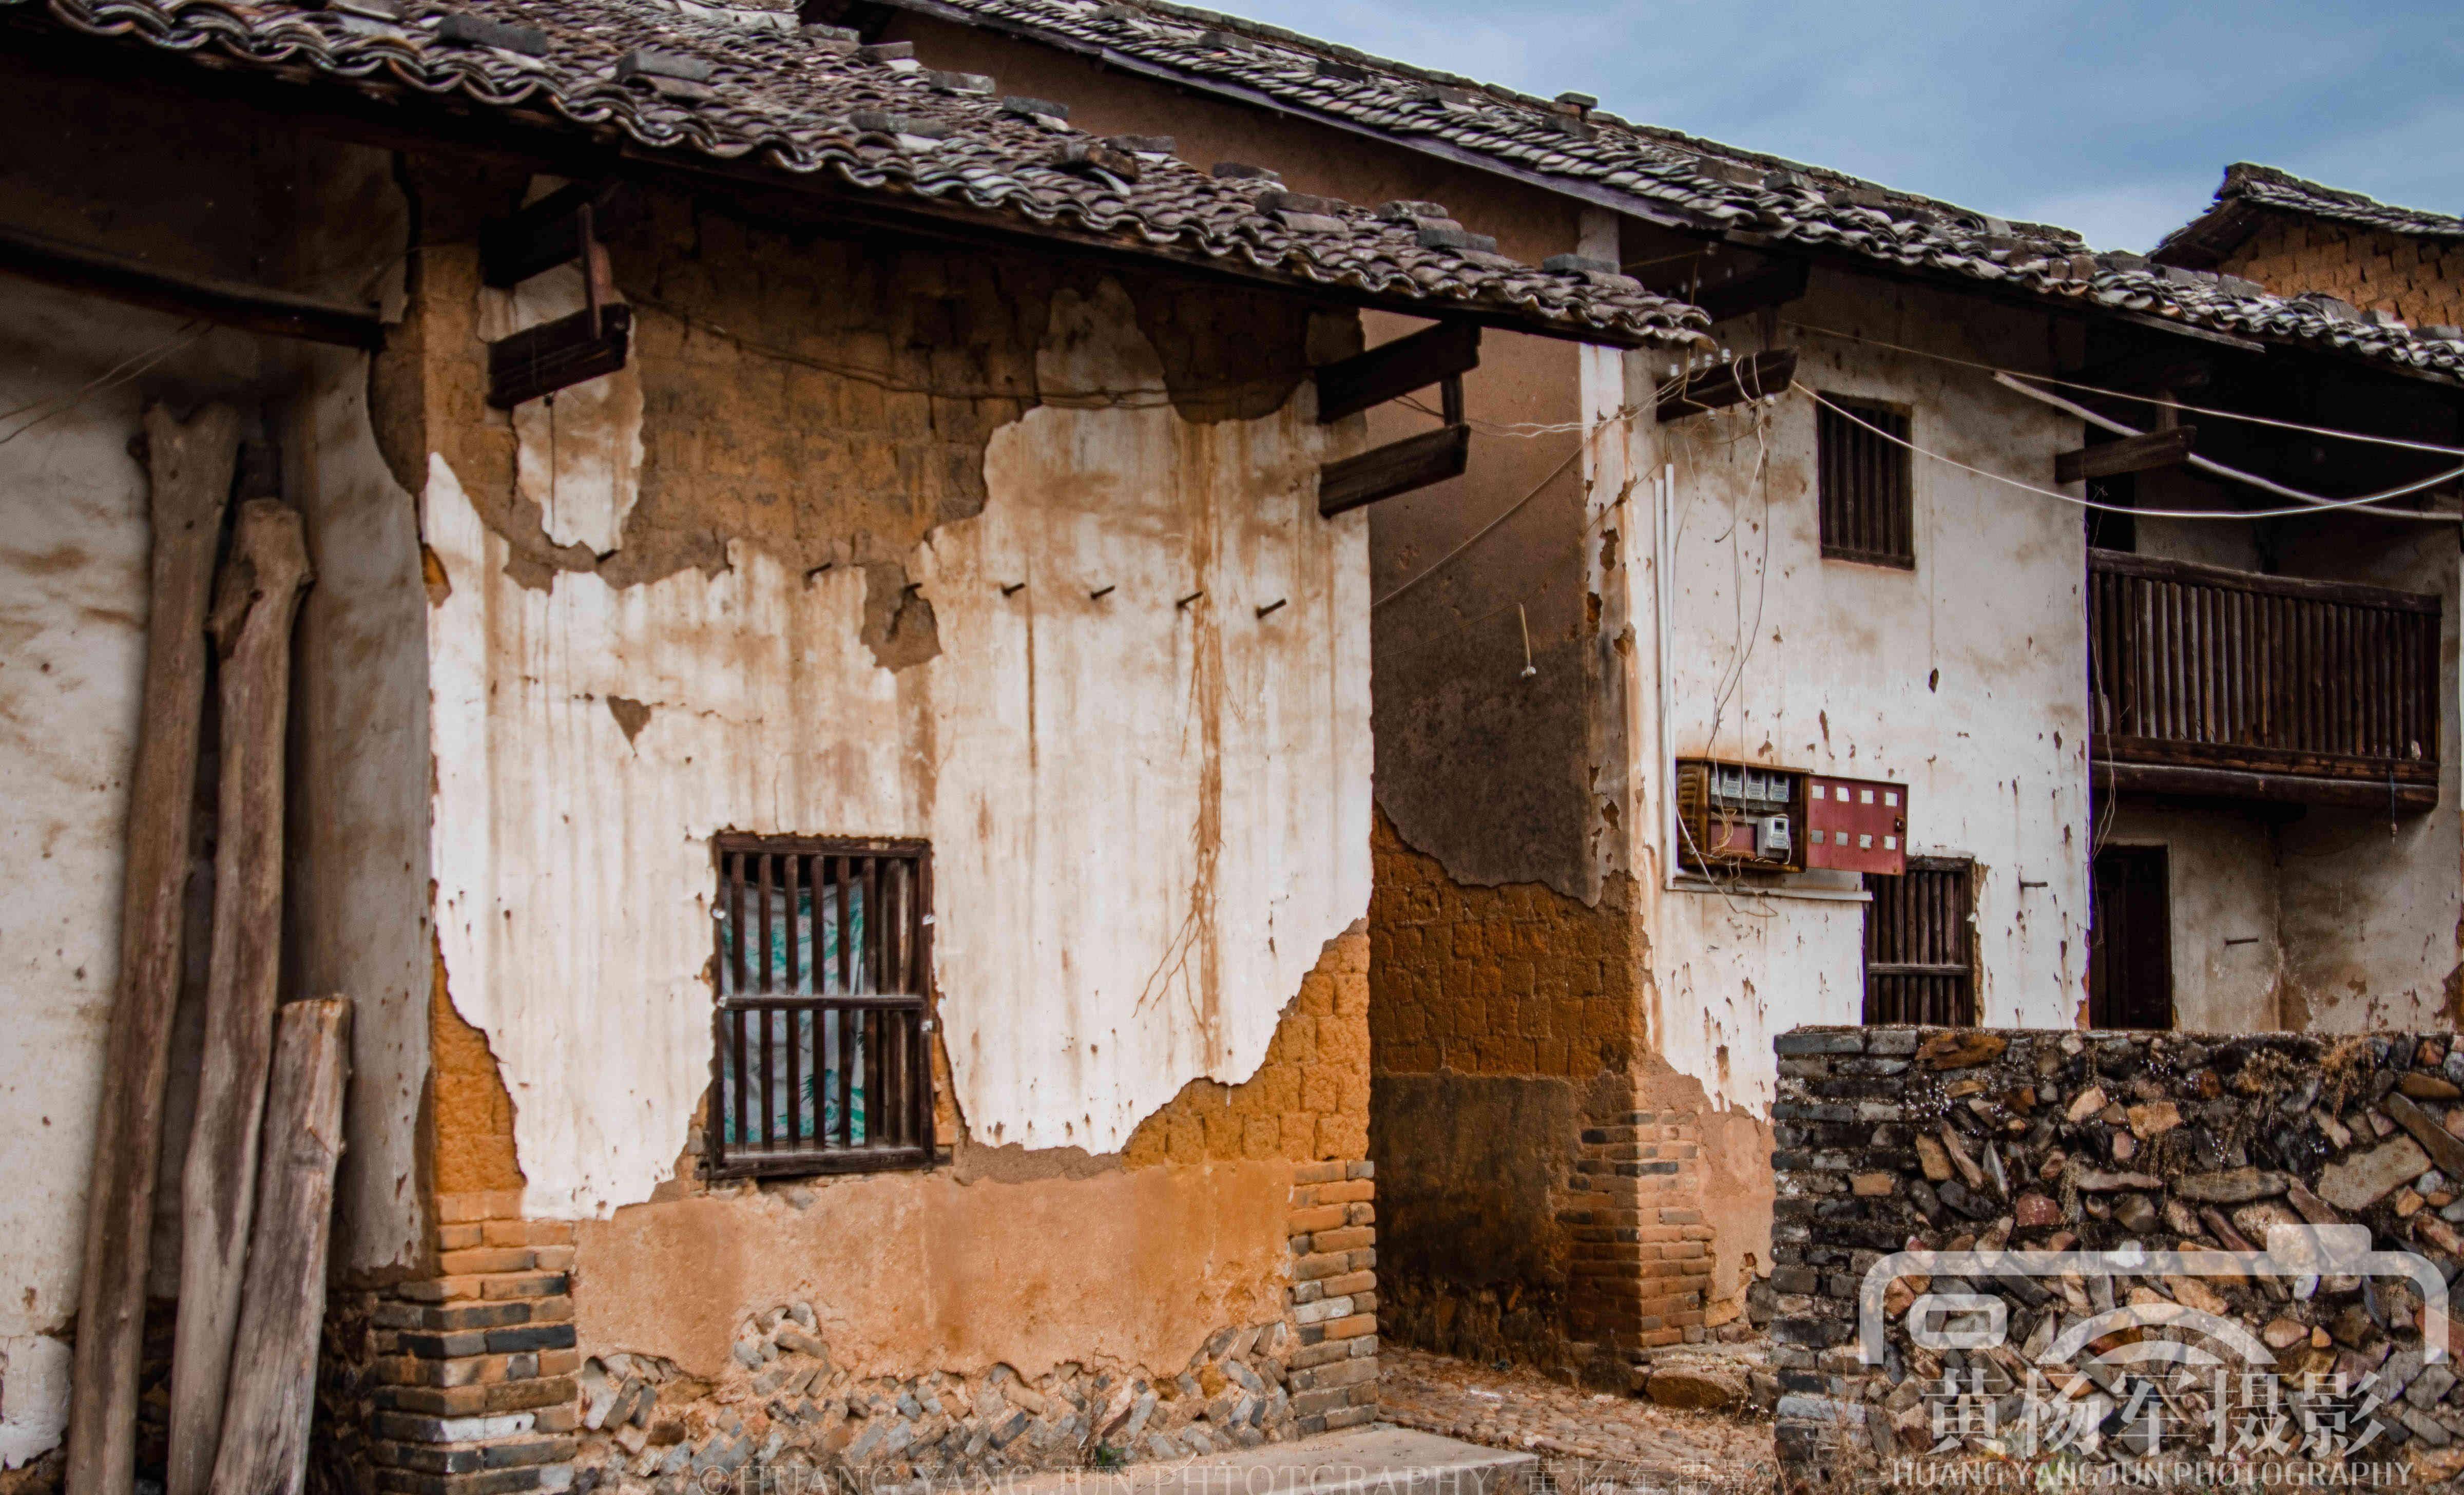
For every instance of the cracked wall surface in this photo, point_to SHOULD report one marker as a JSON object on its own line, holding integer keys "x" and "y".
{"x": 919, "y": 543}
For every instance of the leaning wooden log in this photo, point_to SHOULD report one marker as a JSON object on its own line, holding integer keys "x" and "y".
{"x": 254, "y": 603}
{"x": 282, "y": 1309}
{"x": 191, "y": 467}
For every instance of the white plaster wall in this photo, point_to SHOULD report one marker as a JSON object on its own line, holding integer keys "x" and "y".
{"x": 1961, "y": 679}
{"x": 2222, "y": 875}
{"x": 75, "y": 543}
{"x": 358, "y": 884}
{"x": 1146, "y": 820}
{"x": 2373, "y": 909}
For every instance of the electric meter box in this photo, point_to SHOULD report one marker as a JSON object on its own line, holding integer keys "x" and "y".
{"x": 1857, "y": 825}
{"x": 1739, "y": 817}
{"x": 1742, "y": 817}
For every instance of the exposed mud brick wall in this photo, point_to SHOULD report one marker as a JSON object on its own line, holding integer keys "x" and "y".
{"x": 1308, "y": 1102}
{"x": 1534, "y": 1209}
{"x": 1953, "y": 1141}
{"x": 2421, "y": 280}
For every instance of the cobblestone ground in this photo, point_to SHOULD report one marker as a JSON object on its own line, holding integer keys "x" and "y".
{"x": 1592, "y": 1443}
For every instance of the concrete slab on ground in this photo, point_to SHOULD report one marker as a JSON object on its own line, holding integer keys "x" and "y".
{"x": 1379, "y": 1460}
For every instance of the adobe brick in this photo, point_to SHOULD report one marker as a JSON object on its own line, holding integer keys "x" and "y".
{"x": 1353, "y": 1416}
{"x": 1318, "y": 1173}
{"x": 551, "y": 1311}
{"x": 465, "y": 1401}
{"x": 1308, "y": 1221}
{"x": 1348, "y": 1283}
{"x": 440, "y": 1347}
{"x": 441, "y": 1289}
{"x": 1319, "y": 1402}
{"x": 427, "y": 1458}
{"x": 1352, "y": 1191}
{"x": 1348, "y": 1239}
{"x": 1357, "y": 1325}
{"x": 515, "y": 1454}
{"x": 483, "y": 1261}
{"x": 529, "y": 1337}
{"x": 1345, "y": 1373}
{"x": 524, "y": 1285}
{"x": 456, "y": 1238}
{"x": 456, "y": 1317}
{"x": 1319, "y": 1265}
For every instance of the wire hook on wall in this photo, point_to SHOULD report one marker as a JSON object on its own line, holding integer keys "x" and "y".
{"x": 1528, "y": 667}
{"x": 1013, "y": 588}
{"x": 1190, "y": 598}
{"x": 1100, "y": 593}
{"x": 1272, "y": 605}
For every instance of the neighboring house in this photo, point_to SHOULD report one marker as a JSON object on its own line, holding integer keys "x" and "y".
{"x": 849, "y": 830}
{"x": 2249, "y": 819}
{"x": 2297, "y": 237}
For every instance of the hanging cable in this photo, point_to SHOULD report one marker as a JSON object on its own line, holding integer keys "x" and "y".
{"x": 2142, "y": 399}
{"x": 2316, "y": 507}
{"x": 2235, "y": 474}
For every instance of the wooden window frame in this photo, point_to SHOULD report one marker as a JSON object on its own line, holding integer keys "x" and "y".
{"x": 1965, "y": 1001}
{"x": 892, "y": 1030}
{"x": 1885, "y": 462}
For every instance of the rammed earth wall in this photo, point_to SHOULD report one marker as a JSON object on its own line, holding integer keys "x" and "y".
{"x": 2185, "y": 1145}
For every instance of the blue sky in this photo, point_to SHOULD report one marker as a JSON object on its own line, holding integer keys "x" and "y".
{"x": 2114, "y": 119}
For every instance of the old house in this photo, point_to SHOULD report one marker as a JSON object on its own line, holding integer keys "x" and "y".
{"x": 1817, "y": 690}
{"x": 2295, "y": 236}
{"x": 829, "y": 744}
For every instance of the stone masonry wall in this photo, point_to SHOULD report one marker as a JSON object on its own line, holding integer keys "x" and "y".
{"x": 2421, "y": 280}
{"x": 1953, "y": 1141}
{"x": 1535, "y": 1210}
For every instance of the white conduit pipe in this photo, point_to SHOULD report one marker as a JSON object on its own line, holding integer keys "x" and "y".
{"x": 2362, "y": 505}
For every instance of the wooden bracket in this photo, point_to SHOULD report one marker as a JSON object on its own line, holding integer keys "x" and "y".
{"x": 1771, "y": 285}
{"x": 1749, "y": 378}
{"x": 1391, "y": 371}
{"x": 2167, "y": 448}
{"x": 552, "y": 356}
{"x": 549, "y": 232}
{"x": 1396, "y": 468}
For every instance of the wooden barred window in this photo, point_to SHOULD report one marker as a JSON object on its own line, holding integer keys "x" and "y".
{"x": 1865, "y": 483}
{"x": 1920, "y": 944}
{"x": 822, "y": 1033}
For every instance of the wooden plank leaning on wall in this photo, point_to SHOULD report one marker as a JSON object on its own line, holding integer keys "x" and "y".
{"x": 191, "y": 466}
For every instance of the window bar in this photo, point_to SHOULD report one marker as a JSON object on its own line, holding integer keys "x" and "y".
{"x": 849, "y": 974}
{"x": 877, "y": 941}
{"x": 919, "y": 1088}
{"x": 794, "y": 1014}
{"x": 765, "y": 1102}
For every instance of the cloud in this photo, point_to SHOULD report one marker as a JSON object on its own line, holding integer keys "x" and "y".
{"x": 2113, "y": 118}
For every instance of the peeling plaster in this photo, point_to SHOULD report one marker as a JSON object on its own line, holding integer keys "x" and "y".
{"x": 578, "y": 453}
{"x": 1147, "y": 818}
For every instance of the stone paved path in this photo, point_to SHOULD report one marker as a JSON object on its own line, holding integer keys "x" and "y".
{"x": 1637, "y": 1445}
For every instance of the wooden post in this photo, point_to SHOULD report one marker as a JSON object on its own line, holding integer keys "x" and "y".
{"x": 255, "y": 602}
{"x": 191, "y": 469}
{"x": 283, "y": 1310}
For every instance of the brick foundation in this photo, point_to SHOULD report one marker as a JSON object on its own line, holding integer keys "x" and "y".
{"x": 462, "y": 1383}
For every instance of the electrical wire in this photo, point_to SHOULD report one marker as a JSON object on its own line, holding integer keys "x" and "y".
{"x": 2320, "y": 506}
{"x": 2142, "y": 399}
{"x": 2235, "y": 474}
{"x": 113, "y": 377}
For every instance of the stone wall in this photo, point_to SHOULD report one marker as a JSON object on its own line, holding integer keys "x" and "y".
{"x": 2421, "y": 280}
{"x": 787, "y": 1409}
{"x": 2190, "y": 1145}
{"x": 1535, "y": 1210}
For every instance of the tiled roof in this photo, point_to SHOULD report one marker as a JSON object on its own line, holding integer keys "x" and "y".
{"x": 699, "y": 83}
{"x": 1691, "y": 184}
{"x": 2248, "y": 188}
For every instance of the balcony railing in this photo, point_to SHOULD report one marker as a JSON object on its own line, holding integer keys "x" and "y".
{"x": 2209, "y": 681}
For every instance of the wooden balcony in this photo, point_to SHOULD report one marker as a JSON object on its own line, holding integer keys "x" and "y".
{"x": 2225, "y": 684}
